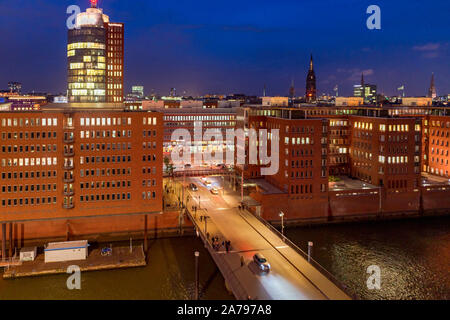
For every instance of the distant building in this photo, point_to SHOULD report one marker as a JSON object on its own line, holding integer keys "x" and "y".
{"x": 275, "y": 101}
{"x": 417, "y": 101}
{"x": 14, "y": 87}
{"x": 349, "y": 101}
{"x": 60, "y": 99}
{"x": 95, "y": 54}
{"x": 137, "y": 91}
{"x": 367, "y": 91}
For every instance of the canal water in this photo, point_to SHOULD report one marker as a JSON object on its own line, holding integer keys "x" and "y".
{"x": 413, "y": 256}
{"x": 169, "y": 274}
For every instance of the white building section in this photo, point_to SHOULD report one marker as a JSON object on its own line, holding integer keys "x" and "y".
{"x": 28, "y": 254}
{"x": 66, "y": 251}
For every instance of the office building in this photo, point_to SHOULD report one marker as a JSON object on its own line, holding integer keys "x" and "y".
{"x": 95, "y": 58}
{"x": 91, "y": 170}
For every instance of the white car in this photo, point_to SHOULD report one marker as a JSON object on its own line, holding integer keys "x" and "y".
{"x": 261, "y": 261}
{"x": 215, "y": 191}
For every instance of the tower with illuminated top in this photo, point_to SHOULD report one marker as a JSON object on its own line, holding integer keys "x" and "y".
{"x": 95, "y": 54}
{"x": 311, "y": 83}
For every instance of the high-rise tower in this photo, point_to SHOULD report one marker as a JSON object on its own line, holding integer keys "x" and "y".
{"x": 432, "y": 91}
{"x": 311, "y": 83}
{"x": 95, "y": 58}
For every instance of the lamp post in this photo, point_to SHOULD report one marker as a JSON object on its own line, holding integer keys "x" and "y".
{"x": 282, "y": 223}
{"x": 196, "y": 275}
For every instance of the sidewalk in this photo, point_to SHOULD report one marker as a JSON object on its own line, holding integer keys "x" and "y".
{"x": 231, "y": 261}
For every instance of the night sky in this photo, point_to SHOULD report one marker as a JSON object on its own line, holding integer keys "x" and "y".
{"x": 236, "y": 46}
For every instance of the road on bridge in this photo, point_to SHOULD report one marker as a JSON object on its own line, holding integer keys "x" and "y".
{"x": 291, "y": 276}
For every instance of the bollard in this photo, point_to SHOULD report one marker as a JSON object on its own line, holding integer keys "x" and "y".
{"x": 196, "y": 275}
{"x": 310, "y": 247}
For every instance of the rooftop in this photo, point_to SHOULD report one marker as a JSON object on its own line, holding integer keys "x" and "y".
{"x": 346, "y": 183}
{"x": 433, "y": 180}
{"x": 264, "y": 186}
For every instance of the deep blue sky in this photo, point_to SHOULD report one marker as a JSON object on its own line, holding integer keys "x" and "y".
{"x": 238, "y": 46}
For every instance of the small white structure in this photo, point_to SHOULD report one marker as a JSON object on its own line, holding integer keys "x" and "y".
{"x": 66, "y": 251}
{"x": 28, "y": 253}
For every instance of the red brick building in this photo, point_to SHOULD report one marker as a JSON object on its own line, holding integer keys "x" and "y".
{"x": 81, "y": 168}
{"x": 379, "y": 153}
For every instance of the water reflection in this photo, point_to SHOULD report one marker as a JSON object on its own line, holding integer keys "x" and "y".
{"x": 414, "y": 256}
{"x": 168, "y": 275}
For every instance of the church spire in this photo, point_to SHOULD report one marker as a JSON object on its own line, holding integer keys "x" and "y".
{"x": 311, "y": 83}
{"x": 432, "y": 90}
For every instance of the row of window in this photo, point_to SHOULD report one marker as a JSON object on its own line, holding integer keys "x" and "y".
{"x": 442, "y": 142}
{"x": 442, "y": 133}
{"x": 302, "y": 163}
{"x": 28, "y": 174}
{"x": 31, "y": 148}
{"x": 105, "y": 159}
{"x": 105, "y": 197}
{"x": 439, "y": 161}
{"x": 300, "y": 152}
{"x": 397, "y": 184}
{"x": 105, "y": 184}
{"x": 26, "y": 188}
{"x": 393, "y": 160}
{"x": 149, "y": 145}
{"x": 302, "y": 174}
{"x": 28, "y": 201}
{"x": 104, "y": 172}
{"x": 21, "y": 162}
{"x": 149, "y": 183}
{"x": 104, "y": 121}
{"x": 105, "y": 146}
{"x": 26, "y": 122}
{"x": 149, "y": 170}
{"x": 105, "y": 134}
{"x": 198, "y": 118}
{"x": 300, "y": 189}
{"x": 28, "y": 135}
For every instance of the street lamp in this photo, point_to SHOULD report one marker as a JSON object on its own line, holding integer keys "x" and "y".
{"x": 196, "y": 254}
{"x": 282, "y": 223}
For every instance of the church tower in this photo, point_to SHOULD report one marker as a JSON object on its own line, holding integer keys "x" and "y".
{"x": 311, "y": 83}
{"x": 432, "y": 91}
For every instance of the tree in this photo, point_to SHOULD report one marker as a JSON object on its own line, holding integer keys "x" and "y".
{"x": 168, "y": 165}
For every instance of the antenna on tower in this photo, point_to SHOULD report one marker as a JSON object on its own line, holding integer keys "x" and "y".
{"x": 94, "y": 3}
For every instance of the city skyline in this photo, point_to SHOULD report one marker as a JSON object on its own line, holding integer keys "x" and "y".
{"x": 267, "y": 47}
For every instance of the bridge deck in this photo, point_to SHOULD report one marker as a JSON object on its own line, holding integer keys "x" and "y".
{"x": 291, "y": 277}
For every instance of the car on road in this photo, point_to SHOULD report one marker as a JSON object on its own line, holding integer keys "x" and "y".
{"x": 215, "y": 191}
{"x": 261, "y": 261}
{"x": 206, "y": 182}
{"x": 187, "y": 165}
{"x": 193, "y": 187}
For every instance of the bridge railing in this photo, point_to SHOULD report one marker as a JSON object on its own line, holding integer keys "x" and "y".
{"x": 313, "y": 262}
{"x": 197, "y": 172}
{"x": 238, "y": 290}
